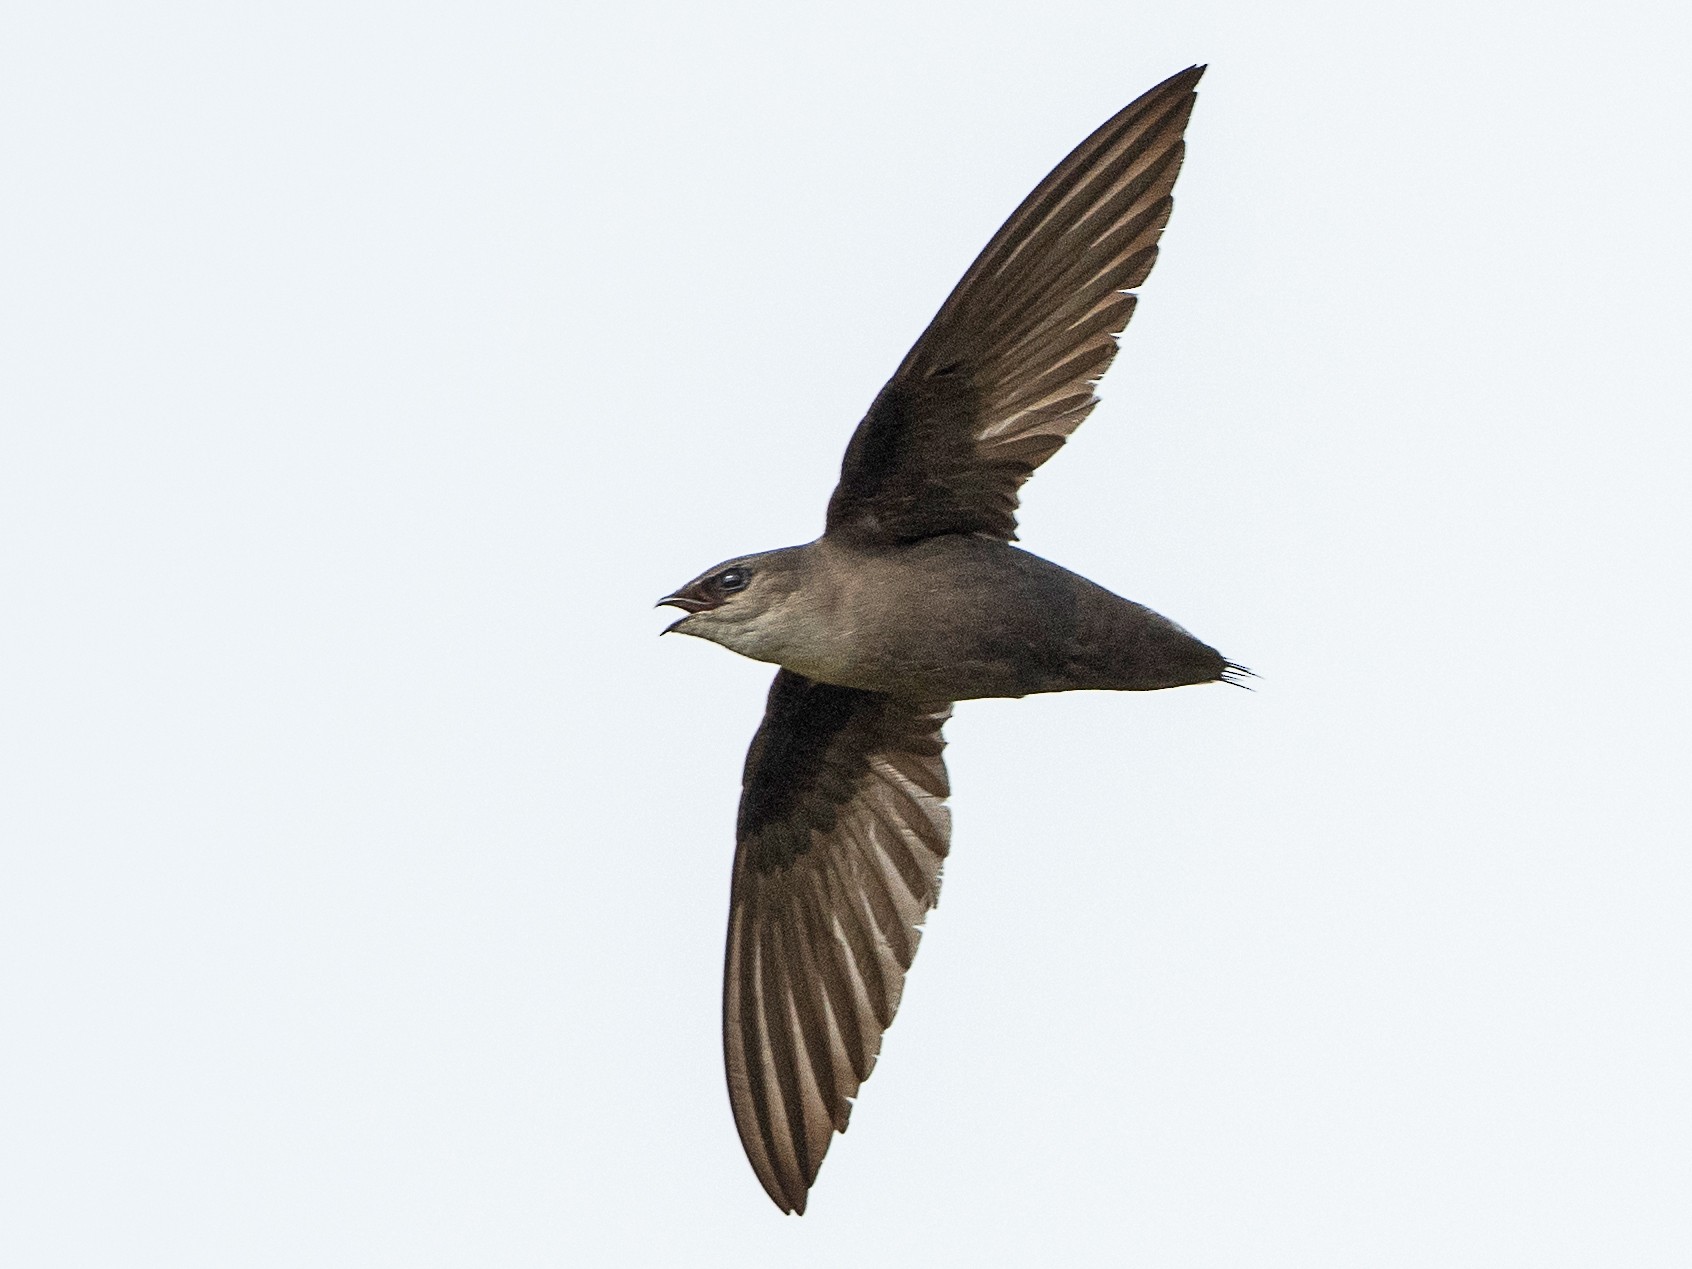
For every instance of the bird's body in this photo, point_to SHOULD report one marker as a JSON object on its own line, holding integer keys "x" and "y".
{"x": 914, "y": 598}
{"x": 1013, "y": 624}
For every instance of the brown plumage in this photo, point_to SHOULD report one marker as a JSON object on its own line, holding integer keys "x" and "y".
{"x": 842, "y": 832}
{"x": 1005, "y": 371}
{"x": 912, "y": 599}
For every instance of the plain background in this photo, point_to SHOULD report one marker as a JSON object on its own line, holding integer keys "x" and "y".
{"x": 371, "y": 368}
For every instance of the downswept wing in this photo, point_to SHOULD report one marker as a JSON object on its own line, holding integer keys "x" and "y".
{"x": 841, "y": 837}
{"x": 1005, "y": 371}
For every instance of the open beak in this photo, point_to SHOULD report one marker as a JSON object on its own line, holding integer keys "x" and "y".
{"x": 690, "y": 601}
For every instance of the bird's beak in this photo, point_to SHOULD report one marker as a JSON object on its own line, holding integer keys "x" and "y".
{"x": 689, "y": 600}
{"x": 686, "y": 601}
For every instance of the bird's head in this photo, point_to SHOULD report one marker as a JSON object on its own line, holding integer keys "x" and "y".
{"x": 738, "y": 603}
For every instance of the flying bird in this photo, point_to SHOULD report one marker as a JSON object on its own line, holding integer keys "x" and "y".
{"x": 913, "y": 598}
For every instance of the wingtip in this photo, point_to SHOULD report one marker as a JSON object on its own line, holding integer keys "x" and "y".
{"x": 788, "y": 1206}
{"x": 1178, "y": 92}
{"x": 1185, "y": 81}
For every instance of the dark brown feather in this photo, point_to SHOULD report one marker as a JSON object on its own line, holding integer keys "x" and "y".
{"x": 842, "y": 835}
{"x": 1005, "y": 371}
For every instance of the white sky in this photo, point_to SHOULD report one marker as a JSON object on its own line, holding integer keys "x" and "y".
{"x": 370, "y": 370}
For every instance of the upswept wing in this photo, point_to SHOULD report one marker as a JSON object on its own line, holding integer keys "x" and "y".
{"x": 1005, "y": 371}
{"x": 842, "y": 833}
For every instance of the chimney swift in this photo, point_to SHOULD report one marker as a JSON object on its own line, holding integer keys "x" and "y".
{"x": 913, "y": 598}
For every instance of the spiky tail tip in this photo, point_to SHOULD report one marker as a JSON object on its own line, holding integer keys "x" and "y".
{"x": 1235, "y": 675}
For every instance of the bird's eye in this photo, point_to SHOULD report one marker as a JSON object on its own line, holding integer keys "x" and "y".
{"x": 732, "y": 579}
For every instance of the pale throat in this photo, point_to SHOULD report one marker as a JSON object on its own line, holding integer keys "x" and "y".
{"x": 809, "y": 630}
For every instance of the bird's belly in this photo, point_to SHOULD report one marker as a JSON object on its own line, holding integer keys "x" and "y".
{"x": 924, "y": 653}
